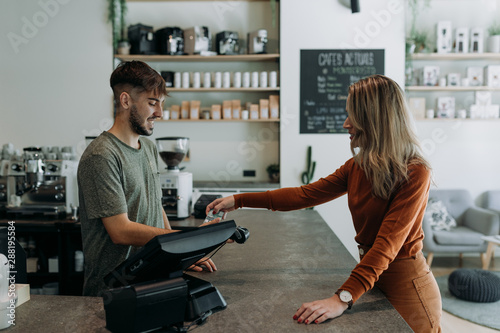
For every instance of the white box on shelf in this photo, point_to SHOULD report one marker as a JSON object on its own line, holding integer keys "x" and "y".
{"x": 483, "y": 98}
{"x": 417, "y": 107}
{"x": 492, "y": 76}
{"x": 493, "y": 111}
{"x": 444, "y": 38}
{"x": 477, "y": 111}
{"x": 462, "y": 40}
{"x": 476, "y": 40}
{"x": 446, "y": 107}
{"x": 475, "y": 76}
{"x": 454, "y": 79}
{"x": 430, "y": 75}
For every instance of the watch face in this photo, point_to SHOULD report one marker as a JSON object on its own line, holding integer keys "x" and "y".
{"x": 345, "y": 296}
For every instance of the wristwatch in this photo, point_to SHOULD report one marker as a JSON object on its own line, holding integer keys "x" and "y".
{"x": 345, "y": 297}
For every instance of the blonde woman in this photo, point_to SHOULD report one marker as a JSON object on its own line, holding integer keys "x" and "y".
{"x": 387, "y": 183}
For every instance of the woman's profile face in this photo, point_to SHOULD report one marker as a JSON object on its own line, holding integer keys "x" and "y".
{"x": 348, "y": 126}
{"x": 347, "y": 123}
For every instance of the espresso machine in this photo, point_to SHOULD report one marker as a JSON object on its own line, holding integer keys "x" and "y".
{"x": 142, "y": 39}
{"x": 176, "y": 185}
{"x": 197, "y": 39}
{"x": 226, "y": 43}
{"x": 257, "y": 41}
{"x": 43, "y": 182}
{"x": 170, "y": 40}
{"x": 4, "y": 197}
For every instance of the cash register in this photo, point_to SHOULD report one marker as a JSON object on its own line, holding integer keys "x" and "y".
{"x": 150, "y": 290}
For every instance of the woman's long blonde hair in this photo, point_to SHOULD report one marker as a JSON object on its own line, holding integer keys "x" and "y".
{"x": 387, "y": 144}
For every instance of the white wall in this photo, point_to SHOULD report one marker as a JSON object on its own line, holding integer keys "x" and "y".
{"x": 54, "y": 76}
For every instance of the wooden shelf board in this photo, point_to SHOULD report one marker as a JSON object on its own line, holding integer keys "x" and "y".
{"x": 221, "y": 120}
{"x": 188, "y": 58}
{"x": 436, "y": 88}
{"x": 195, "y": 0}
{"x": 456, "y": 56}
{"x": 222, "y": 89}
{"x": 457, "y": 119}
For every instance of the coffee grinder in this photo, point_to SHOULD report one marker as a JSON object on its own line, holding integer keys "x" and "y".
{"x": 176, "y": 185}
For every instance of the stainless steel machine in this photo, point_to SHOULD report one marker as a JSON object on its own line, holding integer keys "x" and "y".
{"x": 257, "y": 41}
{"x": 42, "y": 182}
{"x": 176, "y": 185}
{"x": 197, "y": 39}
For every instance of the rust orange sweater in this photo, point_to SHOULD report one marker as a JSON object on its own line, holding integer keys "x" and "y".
{"x": 392, "y": 228}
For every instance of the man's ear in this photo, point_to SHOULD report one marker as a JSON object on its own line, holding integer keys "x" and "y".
{"x": 125, "y": 100}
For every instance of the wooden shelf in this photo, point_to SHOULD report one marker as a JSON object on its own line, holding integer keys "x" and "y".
{"x": 221, "y": 120}
{"x": 455, "y": 56}
{"x": 198, "y": 58}
{"x": 437, "y": 88}
{"x": 457, "y": 119}
{"x": 195, "y": 0}
{"x": 222, "y": 89}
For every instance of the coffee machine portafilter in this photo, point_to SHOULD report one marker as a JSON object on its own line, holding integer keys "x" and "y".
{"x": 42, "y": 183}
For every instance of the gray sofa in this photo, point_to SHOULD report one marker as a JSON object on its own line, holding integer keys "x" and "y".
{"x": 492, "y": 201}
{"x": 472, "y": 223}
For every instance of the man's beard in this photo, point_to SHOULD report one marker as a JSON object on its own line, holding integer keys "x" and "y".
{"x": 135, "y": 123}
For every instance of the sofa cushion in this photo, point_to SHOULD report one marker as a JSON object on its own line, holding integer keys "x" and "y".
{"x": 437, "y": 215}
{"x": 458, "y": 236}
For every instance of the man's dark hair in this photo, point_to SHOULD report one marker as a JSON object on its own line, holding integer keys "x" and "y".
{"x": 138, "y": 76}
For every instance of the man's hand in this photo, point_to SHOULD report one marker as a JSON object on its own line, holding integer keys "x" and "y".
{"x": 204, "y": 264}
{"x": 319, "y": 311}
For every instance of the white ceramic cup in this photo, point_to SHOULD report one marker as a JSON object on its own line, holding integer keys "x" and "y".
{"x": 226, "y": 80}
{"x": 263, "y": 80}
{"x": 196, "y": 80}
{"x": 246, "y": 80}
{"x": 273, "y": 79}
{"x": 237, "y": 80}
{"x": 177, "y": 80}
{"x": 218, "y": 80}
{"x": 255, "y": 79}
{"x": 207, "y": 80}
{"x": 185, "y": 80}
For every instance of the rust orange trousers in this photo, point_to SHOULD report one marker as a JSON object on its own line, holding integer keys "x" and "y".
{"x": 412, "y": 289}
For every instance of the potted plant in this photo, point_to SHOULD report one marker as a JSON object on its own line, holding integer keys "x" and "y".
{"x": 416, "y": 40}
{"x": 273, "y": 170}
{"x": 494, "y": 38}
{"x": 117, "y": 9}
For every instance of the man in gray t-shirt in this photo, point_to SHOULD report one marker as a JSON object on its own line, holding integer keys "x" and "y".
{"x": 118, "y": 179}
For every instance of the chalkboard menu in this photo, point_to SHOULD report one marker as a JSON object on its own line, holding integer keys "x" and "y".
{"x": 325, "y": 76}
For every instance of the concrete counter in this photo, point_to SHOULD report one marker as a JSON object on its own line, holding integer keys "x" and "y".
{"x": 290, "y": 258}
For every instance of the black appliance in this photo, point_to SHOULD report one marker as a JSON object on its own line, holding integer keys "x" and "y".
{"x": 168, "y": 77}
{"x": 151, "y": 291}
{"x": 170, "y": 41}
{"x": 226, "y": 42}
{"x": 142, "y": 39}
{"x": 201, "y": 204}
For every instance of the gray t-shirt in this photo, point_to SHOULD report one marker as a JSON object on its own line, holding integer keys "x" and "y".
{"x": 114, "y": 178}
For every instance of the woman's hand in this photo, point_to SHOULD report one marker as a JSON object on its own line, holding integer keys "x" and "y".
{"x": 204, "y": 264}
{"x": 319, "y": 311}
{"x": 222, "y": 204}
